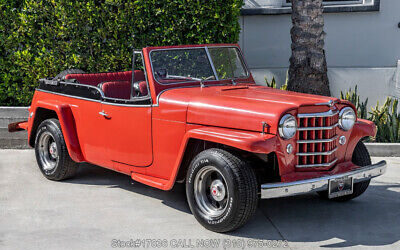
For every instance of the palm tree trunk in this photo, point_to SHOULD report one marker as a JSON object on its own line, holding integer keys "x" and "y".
{"x": 308, "y": 69}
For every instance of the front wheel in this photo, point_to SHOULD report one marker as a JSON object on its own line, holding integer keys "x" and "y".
{"x": 361, "y": 158}
{"x": 221, "y": 190}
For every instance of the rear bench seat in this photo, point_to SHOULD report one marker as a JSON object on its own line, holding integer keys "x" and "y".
{"x": 113, "y": 84}
{"x": 95, "y": 78}
{"x": 117, "y": 89}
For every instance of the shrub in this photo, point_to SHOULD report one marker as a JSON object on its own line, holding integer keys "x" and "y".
{"x": 354, "y": 98}
{"x": 272, "y": 84}
{"x": 387, "y": 120}
{"x": 44, "y": 37}
{"x": 386, "y": 117}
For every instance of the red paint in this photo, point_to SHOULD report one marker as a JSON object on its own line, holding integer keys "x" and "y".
{"x": 148, "y": 142}
{"x": 18, "y": 126}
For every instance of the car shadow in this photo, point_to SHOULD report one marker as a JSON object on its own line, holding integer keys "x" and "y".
{"x": 93, "y": 175}
{"x": 370, "y": 220}
{"x": 373, "y": 219}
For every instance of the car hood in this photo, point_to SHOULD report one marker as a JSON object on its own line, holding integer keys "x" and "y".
{"x": 242, "y": 107}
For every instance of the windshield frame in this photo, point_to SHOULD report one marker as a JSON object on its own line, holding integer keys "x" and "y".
{"x": 243, "y": 62}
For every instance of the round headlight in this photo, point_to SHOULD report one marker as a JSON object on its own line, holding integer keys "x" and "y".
{"x": 347, "y": 118}
{"x": 287, "y": 126}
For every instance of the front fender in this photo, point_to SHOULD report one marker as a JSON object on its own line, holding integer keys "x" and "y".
{"x": 254, "y": 142}
{"x": 362, "y": 128}
{"x": 68, "y": 127}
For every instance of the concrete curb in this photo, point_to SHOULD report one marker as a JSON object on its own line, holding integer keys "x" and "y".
{"x": 18, "y": 140}
{"x": 384, "y": 149}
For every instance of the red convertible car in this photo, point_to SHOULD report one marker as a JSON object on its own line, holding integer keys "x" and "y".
{"x": 194, "y": 114}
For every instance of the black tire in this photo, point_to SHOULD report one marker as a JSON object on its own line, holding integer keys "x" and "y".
{"x": 67, "y": 72}
{"x": 240, "y": 190}
{"x": 361, "y": 158}
{"x": 51, "y": 152}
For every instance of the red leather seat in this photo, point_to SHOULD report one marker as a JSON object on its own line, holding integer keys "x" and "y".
{"x": 117, "y": 89}
{"x": 143, "y": 88}
{"x": 95, "y": 78}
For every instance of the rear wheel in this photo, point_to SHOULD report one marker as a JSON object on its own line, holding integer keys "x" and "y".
{"x": 361, "y": 158}
{"x": 51, "y": 152}
{"x": 221, "y": 190}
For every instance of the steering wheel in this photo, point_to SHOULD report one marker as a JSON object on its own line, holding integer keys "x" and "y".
{"x": 136, "y": 89}
{"x": 210, "y": 78}
{"x": 161, "y": 73}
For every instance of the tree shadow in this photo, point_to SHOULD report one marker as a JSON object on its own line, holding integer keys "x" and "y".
{"x": 370, "y": 220}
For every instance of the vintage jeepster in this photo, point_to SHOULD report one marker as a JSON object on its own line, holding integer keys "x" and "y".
{"x": 194, "y": 114}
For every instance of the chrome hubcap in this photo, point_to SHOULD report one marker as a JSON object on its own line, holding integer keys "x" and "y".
{"x": 217, "y": 190}
{"x": 210, "y": 192}
{"x": 48, "y": 151}
{"x": 53, "y": 150}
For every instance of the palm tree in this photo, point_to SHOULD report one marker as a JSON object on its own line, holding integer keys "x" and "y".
{"x": 308, "y": 69}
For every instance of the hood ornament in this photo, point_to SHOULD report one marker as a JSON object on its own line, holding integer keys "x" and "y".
{"x": 330, "y": 103}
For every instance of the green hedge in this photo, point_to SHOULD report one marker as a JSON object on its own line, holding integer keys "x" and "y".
{"x": 42, "y": 38}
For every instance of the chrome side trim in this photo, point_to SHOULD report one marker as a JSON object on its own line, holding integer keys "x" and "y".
{"x": 318, "y": 128}
{"x": 128, "y": 105}
{"x": 318, "y": 140}
{"x": 282, "y": 189}
{"x": 92, "y": 100}
{"x": 318, "y": 153}
{"x": 72, "y": 96}
{"x": 317, "y": 165}
{"x": 329, "y": 113}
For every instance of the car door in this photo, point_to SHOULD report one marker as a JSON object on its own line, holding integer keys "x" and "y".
{"x": 90, "y": 132}
{"x": 126, "y": 110}
{"x": 85, "y": 103}
{"x": 128, "y": 134}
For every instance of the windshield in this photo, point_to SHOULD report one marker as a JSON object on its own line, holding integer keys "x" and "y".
{"x": 195, "y": 64}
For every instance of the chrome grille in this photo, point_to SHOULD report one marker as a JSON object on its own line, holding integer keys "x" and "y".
{"x": 317, "y": 139}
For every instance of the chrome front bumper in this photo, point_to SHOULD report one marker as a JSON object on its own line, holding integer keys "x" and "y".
{"x": 274, "y": 190}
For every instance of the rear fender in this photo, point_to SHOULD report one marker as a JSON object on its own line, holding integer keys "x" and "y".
{"x": 68, "y": 127}
{"x": 18, "y": 126}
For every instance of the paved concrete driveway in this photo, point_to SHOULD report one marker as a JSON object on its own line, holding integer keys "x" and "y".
{"x": 99, "y": 206}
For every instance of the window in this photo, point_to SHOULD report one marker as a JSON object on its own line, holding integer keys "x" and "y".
{"x": 171, "y": 66}
{"x": 276, "y": 7}
{"x": 335, "y": 2}
{"x": 181, "y": 65}
{"x": 227, "y": 63}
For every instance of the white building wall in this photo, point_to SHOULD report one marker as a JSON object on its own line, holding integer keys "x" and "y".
{"x": 362, "y": 48}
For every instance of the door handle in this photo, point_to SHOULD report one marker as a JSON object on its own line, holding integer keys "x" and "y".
{"x": 103, "y": 113}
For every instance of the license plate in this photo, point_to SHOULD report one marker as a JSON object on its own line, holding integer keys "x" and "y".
{"x": 340, "y": 187}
